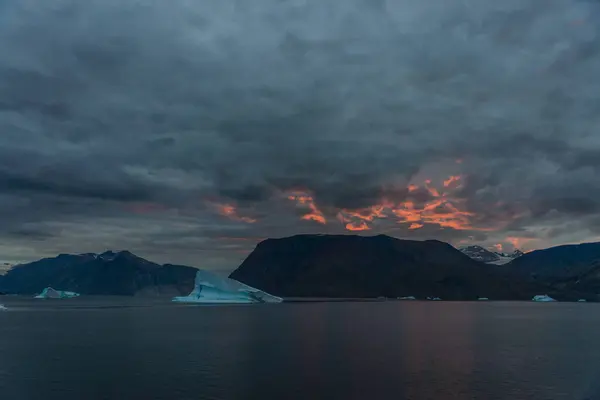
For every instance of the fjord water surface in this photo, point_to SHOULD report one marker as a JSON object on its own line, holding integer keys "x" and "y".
{"x": 114, "y": 348}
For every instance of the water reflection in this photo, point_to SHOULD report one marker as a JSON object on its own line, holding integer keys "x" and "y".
{"x": 437, "y": 350}
{"x": 396, "y": 350}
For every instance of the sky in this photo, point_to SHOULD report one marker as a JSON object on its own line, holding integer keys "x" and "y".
{"x": 188, "y": 131}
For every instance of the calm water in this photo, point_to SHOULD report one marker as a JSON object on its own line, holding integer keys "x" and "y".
{"x": 131, "y": 349}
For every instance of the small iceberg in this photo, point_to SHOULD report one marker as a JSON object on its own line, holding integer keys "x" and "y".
{"x": 581, "y": 300}
{"x": 211, "y": 288}
{"x": 2, "y": 308}
{"x": 407, "y": 298}
{"x": 49, "y": 293}
{"x": 483, "y": 299}
{"x": 434, "y": 298}
{"x": 542, "y": 298}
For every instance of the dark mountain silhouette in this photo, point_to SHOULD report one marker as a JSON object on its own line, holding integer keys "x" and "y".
{"x": 558, "y": 262}
{"x": 109, "y": 273}
{"x": 359, "y": 266}
{"x": 566, "y": 268}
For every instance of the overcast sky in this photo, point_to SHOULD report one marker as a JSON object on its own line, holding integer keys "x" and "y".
{"x": 187, "y": 131}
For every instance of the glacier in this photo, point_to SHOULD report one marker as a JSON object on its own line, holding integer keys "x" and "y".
{"x": 212, "y": 288}
{"x": 542, "y": 298}
{"x": 49, "y": 293}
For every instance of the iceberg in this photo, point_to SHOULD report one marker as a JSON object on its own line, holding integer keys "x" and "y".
{"x": 211, "y": 288}
{"x": 483, "y": 299}
{"x": 542, "y": 298}
{"x": 581, "y": 300}
{"x": 407, "y": 298}
{"x": 49, "y": 293}
{"x": 2, "y": 308}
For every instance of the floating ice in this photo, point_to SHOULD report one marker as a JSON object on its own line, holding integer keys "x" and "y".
{"x": 407, "y": 298}
{"x": 434, "y": 298}
{"x": 50, "y": 293}
{"x": 483, "y": 299}
{"x": 582, "y": 300}
{"x": 211, "y": 288}
{"x": 2, "y": 308}
{"x": 542, "y": 298}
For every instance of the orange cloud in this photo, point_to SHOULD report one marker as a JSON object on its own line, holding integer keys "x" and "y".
{"x": 357, "y": 226}
{"x": 521, "y": 243}
{"x": 499, "y": 247}
{"x": 356, "y": 220}
{"x": 230, "y": 212}
{"x": 301, "y": 198}
{"x": 433, "y": 191}
{"x": 443, "y": 210}
{"x": 451, "y": 180}
{"x": 316, "y": 216}
{"x": 367, "y": 214}
{"x": 305, "y": 199}
{"x": 440, "y": 211}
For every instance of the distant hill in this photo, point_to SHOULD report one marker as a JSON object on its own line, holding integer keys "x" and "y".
{"x": 568, "y": 267}
{"x": 359, "y": 266}
{"x": 109, "y": 273}
{"x": 481, "y": 254}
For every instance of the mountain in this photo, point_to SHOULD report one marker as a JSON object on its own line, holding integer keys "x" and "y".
{"x": 566, "y": 269}
{"x": 5, "y": 267}
{"x": 360, "y": 266}
{"x": 109, "y": 273}
{"x": 560, "y": 262}
{"x": 478, "y": 253}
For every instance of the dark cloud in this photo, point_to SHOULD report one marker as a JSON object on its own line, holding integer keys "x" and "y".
{"x": 165, "y": 127}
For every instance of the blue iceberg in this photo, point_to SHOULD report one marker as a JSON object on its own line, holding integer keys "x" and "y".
{"x": 49, "y": 293}
{"x": 211, "y": 288}
{"x": 542, "y": 298}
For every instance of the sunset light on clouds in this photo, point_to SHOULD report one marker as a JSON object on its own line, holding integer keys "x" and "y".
{"x": 441, "y": 209}
{"x": 164, "y": 129}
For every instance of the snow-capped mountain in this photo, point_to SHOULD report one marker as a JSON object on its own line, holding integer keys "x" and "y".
{"x": 5, "y": 266}
{"x": 490, "y": 257}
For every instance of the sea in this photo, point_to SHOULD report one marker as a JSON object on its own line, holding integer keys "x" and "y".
{"x": 132, "y": 348}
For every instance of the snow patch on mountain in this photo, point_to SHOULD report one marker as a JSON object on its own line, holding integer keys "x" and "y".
{"x": 484, "y": 255}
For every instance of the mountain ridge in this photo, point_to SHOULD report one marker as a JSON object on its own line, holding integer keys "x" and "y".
{"x": 479, "y": 253}
{"x": 108, "y": 273}
{"x": 331, "y": 266}
{"x": 372, "y": 266}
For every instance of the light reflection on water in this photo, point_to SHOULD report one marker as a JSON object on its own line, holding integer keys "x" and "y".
{"x": 135, "y": 348}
